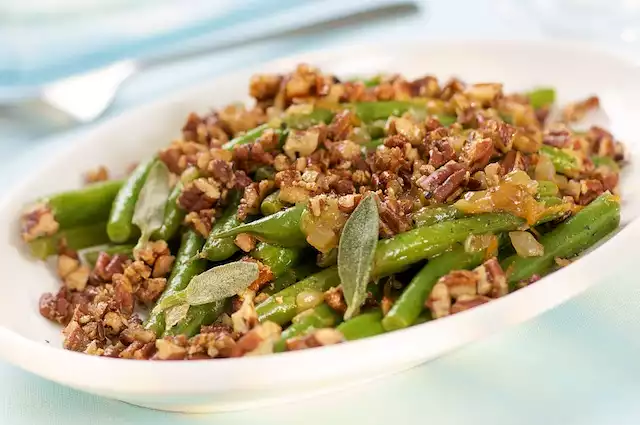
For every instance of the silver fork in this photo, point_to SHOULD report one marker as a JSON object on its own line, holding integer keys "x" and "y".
{"x": 82, "y": 98}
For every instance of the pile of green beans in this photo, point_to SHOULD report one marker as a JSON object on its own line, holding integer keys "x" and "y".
{"x": 99, "y": 219}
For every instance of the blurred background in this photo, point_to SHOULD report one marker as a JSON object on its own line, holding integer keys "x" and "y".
{"x": 66, "y": 65}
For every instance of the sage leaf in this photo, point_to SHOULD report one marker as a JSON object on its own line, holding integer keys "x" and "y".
{"x": 148, "y": 214}
{"x": 173, "y": 315}
{"x": 356, "y": 251}
{"x": 221, "y": 282}
{"x": 169, "y": 301}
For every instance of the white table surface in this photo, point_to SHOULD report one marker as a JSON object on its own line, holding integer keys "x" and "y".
{"x": 577, "y": 364}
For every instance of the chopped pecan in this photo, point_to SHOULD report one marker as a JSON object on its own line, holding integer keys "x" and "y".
{"x": 557, "y": 136}
{"x": 75, "y": 338}
{"x": 441, "y": 152}
{"x": 491, "y": 279}
{"x": 136, "y": 333}
{"x": 113, "y": 323}
{"x": 484, "y": 94}
{"x": 444, "y": 182}
{"x": 427, "y": 86}
{"x": 200, "y": 194}
{"x": 265, "y": 275}
{"x": 99, "y": 174}
{"x": 452, "y": 87}
{"x": 245, "y": 318}
{"x": 460, "y": 282}
{"x": 318, "y": 338}
{"x": 205, "y": 130}
{"x": 590, "y": 189}
{"x": 245, "y": 242}
{"x": 393, "y": 218}
{"x": 106, "y": 266}
{"x": 576, "y": 111}
{"x": 77, "y": 279}
{"x": 514, "y": 160}
{"x": 467, "y": 302}
{"x": 404, "y": 127}
{"x": 150, "y": 290}
{"x": 56, "y": 307}
{"x": 139, "y": 351}
{"x": 123, "y": 293}
{"x": 264, "y": 86}
{"x": 341, "y": 126}
{"x": 439, "y": 301}
{"x": 66, "y": 265}
{"x": 477, "y": 151}
{"x": 500, "y": 133}
{"x": 201, "y": 221}
{"x": 253, "y": 196}
{"x": 210, "y": 344}
{"x": 257, "y": 341}
{"x": 38, "y": 221}
{"x": 334, "y": 297}
{"x": 171, "y": 348}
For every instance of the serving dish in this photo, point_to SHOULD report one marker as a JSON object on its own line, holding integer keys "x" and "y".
{"x": 30, "y": 342}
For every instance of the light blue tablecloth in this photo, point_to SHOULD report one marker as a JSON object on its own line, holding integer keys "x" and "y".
{"x": 575, "y": 365}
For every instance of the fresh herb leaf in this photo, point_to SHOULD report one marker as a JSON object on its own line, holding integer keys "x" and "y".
{"x": 149, "y": 211}
{"x": 221, "y": 282}
{"x": 173, "y": 315}
{"x": 356, "y": 251}
{"x": 170, "y": 301}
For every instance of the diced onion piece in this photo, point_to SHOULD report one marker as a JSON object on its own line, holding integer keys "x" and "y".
{"x": 525, "y": 244}
{"x": 521, "y": 178}
{"x": 306, "y": 300}
{"x": 545, "y": 169}
{"x": 477, "y": 243}
{"x": 299, "y": 109}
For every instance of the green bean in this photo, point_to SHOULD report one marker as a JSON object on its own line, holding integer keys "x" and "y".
{"x": 183, "y": 271}
{"x": 424, "y": 317}
{"x": 362, "y": 326}
{"x": 592, "y": 223}
{"x": 430, "y": 215}
{"x": 562, "y": 161}
{"x": 198, "y": 316}
{"x": 371, "y": 145}
{"x": 376, "y": 129}
{"x": 447, "y": 120}
{"x": 279, "y": 259}
{"x": 407, "y": 308}
{"x": 319, "y": 317}
{"x": 74, "y": 238}
{"x": 605, "y": 161}
{"x": 396, "y": 254}
{"x": 83, "y": 206}
{"x": 541, "y": 97}
{"x": 217, "y": 249}
{"x": 289, "y": 277}
{"x": 120, "y": 227}
{"x": 303, "y": 121}
{"x": 264, "y": 173}
{"x": 173, "y": 215}
{"x": 248, "y": 137}
{"x": 281, "y": 228}
{"x": 271, "y": 204}
{"x": 547, "y": 189}
{"x": 90, "y": 255}
{"x": 392, "y": 256}
{"x": 281, "y": 307}
{"x": 372, "y": 111}
{"x": 327, "y": 259}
